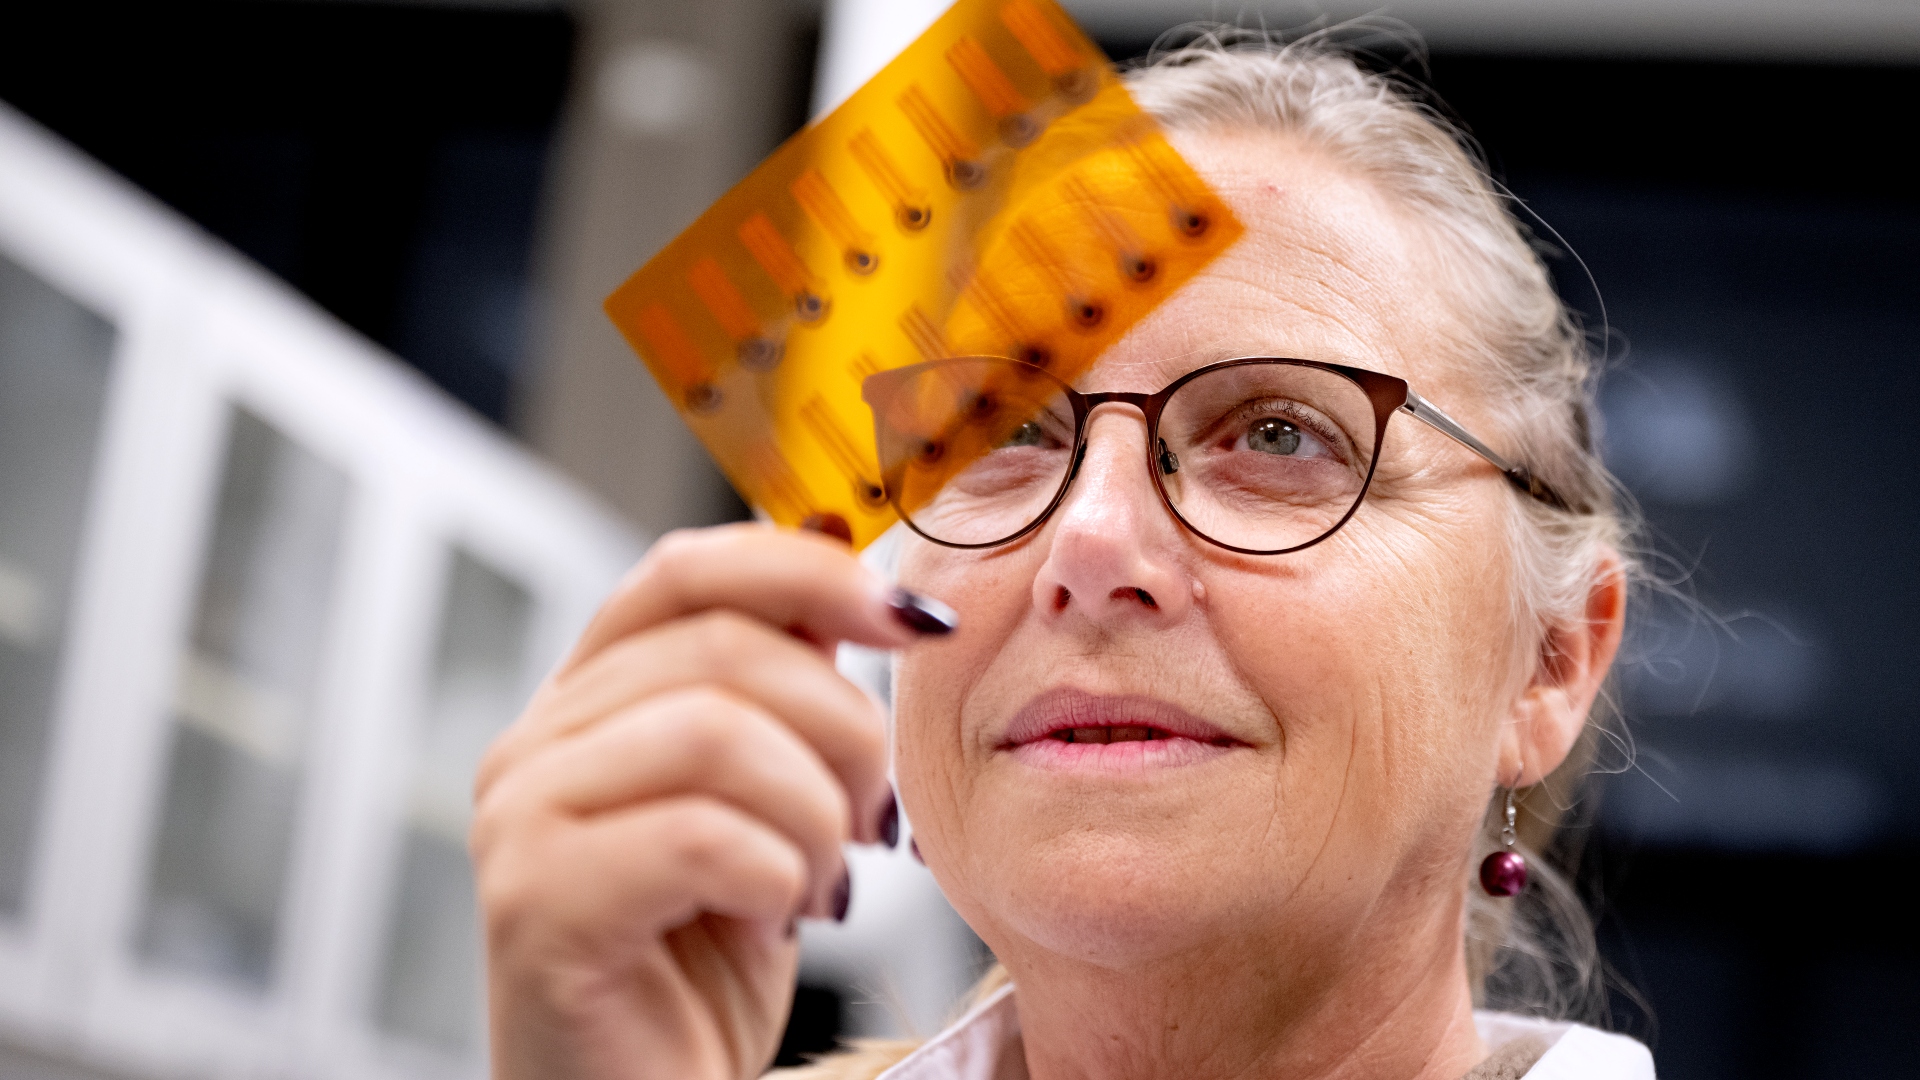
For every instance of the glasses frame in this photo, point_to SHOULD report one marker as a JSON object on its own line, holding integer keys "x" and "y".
{"x": 1389, "y": 394}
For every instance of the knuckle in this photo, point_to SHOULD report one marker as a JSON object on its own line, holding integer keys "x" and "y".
{"x": 870, "y": 735}
{"x": 674, "y": 544}
{"x": 661, "y": 565}
{"x": 836, "y": 811}
{"x": 725, "y": 636}
{"x": 792, "y": 876}
{"x": 866, "y": 743}
{"x": 675, "y": 551}
{"x": 700, "y": 836}
{"x": 510, "y": 889}
{"x": 497, "y": 817}
{"x": 707, "y": 724}
{"x": 495, "y": 764}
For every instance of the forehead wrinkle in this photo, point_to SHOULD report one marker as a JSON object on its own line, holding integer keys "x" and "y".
{"x": 1335, "y": 286}
{"x": 1332, "y": 274}
{"x": 1316, "y": 221}
{"x": 1330, "y": 268}
{"x": 1234, "y": 313}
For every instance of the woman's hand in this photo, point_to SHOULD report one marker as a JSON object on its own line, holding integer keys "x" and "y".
{"x": 675, "y": 795}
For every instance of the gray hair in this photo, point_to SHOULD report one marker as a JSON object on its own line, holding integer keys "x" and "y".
{"x": 1535, "y": 367}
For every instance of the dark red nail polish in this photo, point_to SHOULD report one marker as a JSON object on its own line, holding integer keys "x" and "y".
{"x": 914, "y": 846}
{"x": 829, "y": 525}
{"x": 842, "y": 897}
{"x": 922, "y": 614}
{"x": 889, "y": 827}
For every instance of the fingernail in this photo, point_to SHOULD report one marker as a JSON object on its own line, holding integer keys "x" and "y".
{"x": 889, "y": 827}
{"x": 842, "y": 897}
{"x": 914, "y": 846}
{"x": 922, "y": 614}
{"x": 829, "y": 525}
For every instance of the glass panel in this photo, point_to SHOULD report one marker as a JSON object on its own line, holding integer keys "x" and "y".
{"x": 241, "y": 709}
{"x": 973, "y": 449}
{"x": 430, "y": 986}
{"x": 54, "y": 357}
{"x": 1266, "y": 457}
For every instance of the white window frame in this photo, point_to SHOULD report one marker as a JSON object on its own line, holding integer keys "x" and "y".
{"x": 199, "y": 330}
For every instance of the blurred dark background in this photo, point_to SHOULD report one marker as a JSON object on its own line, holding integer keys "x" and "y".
{"x": 385, "y": 160}
{"x": 1751, "y": 231}
{"x": 1753, "y": 237}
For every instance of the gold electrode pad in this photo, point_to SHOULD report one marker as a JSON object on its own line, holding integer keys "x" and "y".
{"x": 993, "y": 191}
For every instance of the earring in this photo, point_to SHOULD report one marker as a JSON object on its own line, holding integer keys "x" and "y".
{"x": 1504, "y": 873}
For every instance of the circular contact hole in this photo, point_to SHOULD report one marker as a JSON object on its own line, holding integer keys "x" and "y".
{"x": 810, "y": 307}
{"x": 1076, "y": 85}
{"x": 966, "y": 174}
{"x": 759, "y": 354}
{"x": 913, "y": 218}
{"x": 1086, "y": 314}
{"x": 1018, "y": 130}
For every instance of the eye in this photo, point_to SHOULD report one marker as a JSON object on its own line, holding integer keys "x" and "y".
{"x": 1027, "y": 434}
{"x": 1281, "y": 438}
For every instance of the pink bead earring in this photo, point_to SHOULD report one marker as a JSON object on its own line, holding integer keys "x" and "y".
{"x": 1504, "y": 873}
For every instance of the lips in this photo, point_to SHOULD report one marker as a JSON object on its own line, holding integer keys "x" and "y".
{"x": 1068, "y": 727}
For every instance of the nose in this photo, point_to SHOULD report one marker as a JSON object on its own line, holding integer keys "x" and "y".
{"x": 1114, "y": 554}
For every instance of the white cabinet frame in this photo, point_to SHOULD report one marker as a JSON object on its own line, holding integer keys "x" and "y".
{"x": 201, "y": 330}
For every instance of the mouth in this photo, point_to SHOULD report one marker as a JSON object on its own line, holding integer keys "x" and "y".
{"x": 1066, "y": 728}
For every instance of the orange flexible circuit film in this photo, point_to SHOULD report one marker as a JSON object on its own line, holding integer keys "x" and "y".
{"x": 993, "y": 191}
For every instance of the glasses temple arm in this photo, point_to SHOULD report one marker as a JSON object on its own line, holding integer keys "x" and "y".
{"x": 1427, "y": 413}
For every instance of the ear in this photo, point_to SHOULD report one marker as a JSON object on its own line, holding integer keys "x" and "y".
{"x": 1551, "y": 711}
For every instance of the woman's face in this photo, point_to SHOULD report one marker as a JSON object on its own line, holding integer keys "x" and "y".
{"x": 1347, "y": 698}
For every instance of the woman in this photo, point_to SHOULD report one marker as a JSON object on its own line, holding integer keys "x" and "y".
{"x": 1208, "y": 759}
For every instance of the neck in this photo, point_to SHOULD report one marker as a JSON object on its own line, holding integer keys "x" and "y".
{"x": 1379, "y": 1006}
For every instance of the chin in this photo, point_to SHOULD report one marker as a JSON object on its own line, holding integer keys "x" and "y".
{"x": 1109, "y": 898}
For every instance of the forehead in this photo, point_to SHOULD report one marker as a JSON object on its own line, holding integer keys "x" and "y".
{"x": 1328, "y": 269}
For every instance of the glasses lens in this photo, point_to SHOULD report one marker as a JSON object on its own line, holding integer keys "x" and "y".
{"x": 974, "y": 449}
{"x": 1266, "y": 456}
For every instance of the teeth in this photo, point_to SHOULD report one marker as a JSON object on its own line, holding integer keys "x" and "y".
{"x": 1107, "y": 734}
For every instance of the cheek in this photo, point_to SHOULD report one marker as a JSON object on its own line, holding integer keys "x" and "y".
{"x": 1302, "y": 652}
{"x": 1375, "y": 660}
{"x": 933, "y": 678}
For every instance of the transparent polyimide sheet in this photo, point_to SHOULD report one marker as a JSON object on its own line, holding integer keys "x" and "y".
{"x": 431, "y": 976}
{"x": 992, "y": 191}
{"x": 55, "y": 357}
{"x": 242, "y": 707}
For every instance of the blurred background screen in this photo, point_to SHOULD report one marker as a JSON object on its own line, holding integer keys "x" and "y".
{"x": 461, "y": 184}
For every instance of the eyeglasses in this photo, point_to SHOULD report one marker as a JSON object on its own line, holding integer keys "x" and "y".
{"x": 1258, "y": 455}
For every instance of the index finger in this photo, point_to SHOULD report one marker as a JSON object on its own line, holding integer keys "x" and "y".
{"x": 804, "y": 583}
